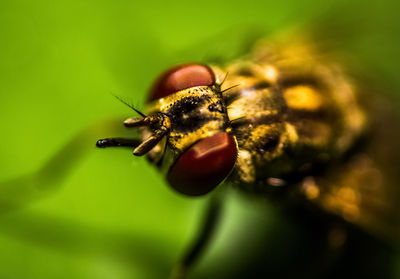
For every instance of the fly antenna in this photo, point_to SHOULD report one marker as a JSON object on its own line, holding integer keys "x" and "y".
{"x": 129, "y": 105}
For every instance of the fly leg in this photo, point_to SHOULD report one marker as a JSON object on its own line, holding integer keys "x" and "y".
{"x": 200, "y": 242}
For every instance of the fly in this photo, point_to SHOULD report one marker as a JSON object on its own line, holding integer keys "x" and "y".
{"x": 282, "y": 122}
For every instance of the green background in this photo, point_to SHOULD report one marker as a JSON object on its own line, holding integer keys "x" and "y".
{"x": 112, "y": 215}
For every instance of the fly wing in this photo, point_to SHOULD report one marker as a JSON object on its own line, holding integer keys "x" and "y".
{"x": 364, "y": 189}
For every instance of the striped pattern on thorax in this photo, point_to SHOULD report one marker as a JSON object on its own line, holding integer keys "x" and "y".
{"x": 288, "y": 115}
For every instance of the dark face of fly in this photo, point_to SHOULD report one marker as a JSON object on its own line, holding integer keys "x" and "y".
{"x": 185, "y": 130}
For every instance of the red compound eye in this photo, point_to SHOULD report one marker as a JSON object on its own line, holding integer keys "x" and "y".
{"x": 204, "y": 165}
{"x": 181, "y": 77}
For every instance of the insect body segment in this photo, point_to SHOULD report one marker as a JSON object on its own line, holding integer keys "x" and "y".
{"x": 288, "y": 116}
{"x": 189, "y": 112}
{"x": 199, "y": 126}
